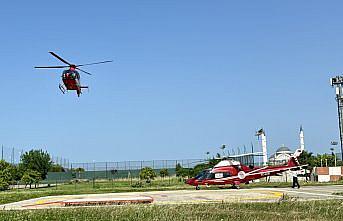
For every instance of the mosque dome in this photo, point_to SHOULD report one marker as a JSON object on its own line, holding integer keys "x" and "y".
{"x": 281, "y": 155}
{"x": 283, "y": 149}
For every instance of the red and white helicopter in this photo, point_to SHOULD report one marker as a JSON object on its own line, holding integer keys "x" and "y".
{"x": 234, "y": 173}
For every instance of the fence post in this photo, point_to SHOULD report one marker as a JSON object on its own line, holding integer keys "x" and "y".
{"x": 189, "y": 171}
{"x": 106, "y": 171}
{"x": 93, "y": 174}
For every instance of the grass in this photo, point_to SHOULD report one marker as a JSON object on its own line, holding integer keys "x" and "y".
{"x": 312, "y": 210}
{"x": 105, "y": 186}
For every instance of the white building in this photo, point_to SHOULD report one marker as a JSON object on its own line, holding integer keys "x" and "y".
{"x": 281, "y": 156}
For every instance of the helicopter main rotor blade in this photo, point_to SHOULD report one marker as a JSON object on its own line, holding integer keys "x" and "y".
{"x": 101, "y": 62}
{"x": 83, "y": 71}
{"x": 52, "y": 67}
{"x": 59, "y": 58}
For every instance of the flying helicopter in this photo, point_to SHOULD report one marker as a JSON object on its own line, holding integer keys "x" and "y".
{"x": 71, "y": 77}
{"x": 234, "y": 173}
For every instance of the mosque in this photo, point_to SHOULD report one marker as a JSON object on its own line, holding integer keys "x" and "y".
{"x": 280, "y": 156}
{"x": 283, "y": 153}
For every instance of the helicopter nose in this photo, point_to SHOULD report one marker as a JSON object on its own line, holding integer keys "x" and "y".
{"x": 190, "y": 181}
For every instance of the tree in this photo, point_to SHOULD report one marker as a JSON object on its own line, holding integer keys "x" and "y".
{"x": 36, "y": 160}
{"x": 5, "y": 175}
{"x": 178, "y": 169}
{"x": 164, "y": 172}
{"x": 147, "y": 174}
{"x": 8, "y": 174}
{"x": 76, "y": 172}
{"x": 199, "y": 168}
{"x": 325, "y": 160}
{"x": 5, "y": 170}
{"x": 56, "y": 168}
{"x": 182, "y": 172}
{"x": 3, "y": 184}
{"x": 307, "y": 158}
{"x": 31, "y": 177}
{"x": 79, "y": 170}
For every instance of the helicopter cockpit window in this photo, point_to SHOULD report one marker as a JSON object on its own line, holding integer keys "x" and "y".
{"x": 227, "y": 174}
{"x": 210, "y": 176}
{"x": 64, "y": 74}
{"x": 201, "y": 175}
{"x": 71, "y": 74}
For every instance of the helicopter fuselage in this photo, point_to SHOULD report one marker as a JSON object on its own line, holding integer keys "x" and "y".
{"x": 71, "y": 81}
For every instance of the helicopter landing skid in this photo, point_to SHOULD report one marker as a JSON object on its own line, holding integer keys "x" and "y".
{"x": 62, "y": 88}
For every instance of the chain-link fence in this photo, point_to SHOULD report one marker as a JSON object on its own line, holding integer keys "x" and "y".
{"x": 131, "y": 169}
{"x": 13, "y": 156}
{"x": 120, "y": 170}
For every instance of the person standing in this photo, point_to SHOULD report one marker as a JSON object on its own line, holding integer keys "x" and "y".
{"x": 295, "y": 179}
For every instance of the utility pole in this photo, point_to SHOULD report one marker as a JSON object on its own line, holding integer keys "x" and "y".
{"x": 2, "y": 152}
{"x": 12, "y": 156}
{"x": 337, "y": 82}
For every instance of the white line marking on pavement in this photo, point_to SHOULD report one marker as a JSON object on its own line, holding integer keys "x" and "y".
{"x": 316, "y": 194}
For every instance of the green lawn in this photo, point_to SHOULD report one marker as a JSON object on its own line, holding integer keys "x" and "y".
{"x": 88, "y": 188}
{"x": 312, "y": 210}
{"x": 106, "y": 186}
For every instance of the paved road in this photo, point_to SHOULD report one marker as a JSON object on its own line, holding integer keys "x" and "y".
{"x": 192, "y": 196}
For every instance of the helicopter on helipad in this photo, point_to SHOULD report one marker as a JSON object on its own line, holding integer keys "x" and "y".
{"x": 71, "y": 77}
{"x": 234, "y": 173}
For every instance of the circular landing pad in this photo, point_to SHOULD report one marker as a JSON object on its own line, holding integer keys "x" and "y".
{"x": 180, "y": 197}
{"x": 107, "y": 201}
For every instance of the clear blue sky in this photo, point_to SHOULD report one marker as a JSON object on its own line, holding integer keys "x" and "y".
{"x": 188, "y": 76}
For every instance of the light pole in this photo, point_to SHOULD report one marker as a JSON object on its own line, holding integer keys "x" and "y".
{"x": 223, "y": 147}
{"x": 337, "y": 82}
{"x": 207, "y": 154}
{"x": 333, "y": 144}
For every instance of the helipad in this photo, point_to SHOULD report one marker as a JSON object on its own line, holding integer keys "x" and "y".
{"x": 180, "y": 197}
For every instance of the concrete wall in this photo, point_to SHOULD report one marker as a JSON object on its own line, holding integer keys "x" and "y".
{"x": 327, "y": 174}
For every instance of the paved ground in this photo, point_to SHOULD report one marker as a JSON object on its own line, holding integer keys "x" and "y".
{"x": 192, "y": 196}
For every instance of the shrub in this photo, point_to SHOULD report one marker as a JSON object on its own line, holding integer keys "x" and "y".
{"x": 3, "y": 184}
{"x": 147, "y": 174}
{"x": 164, "y": 172}
{"x": 137, "y": 185}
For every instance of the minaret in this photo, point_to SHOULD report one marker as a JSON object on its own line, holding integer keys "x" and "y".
{"x": 264, "y": 145}
{"x": 264, "y": 148}
{"x": 302, "y": 143}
